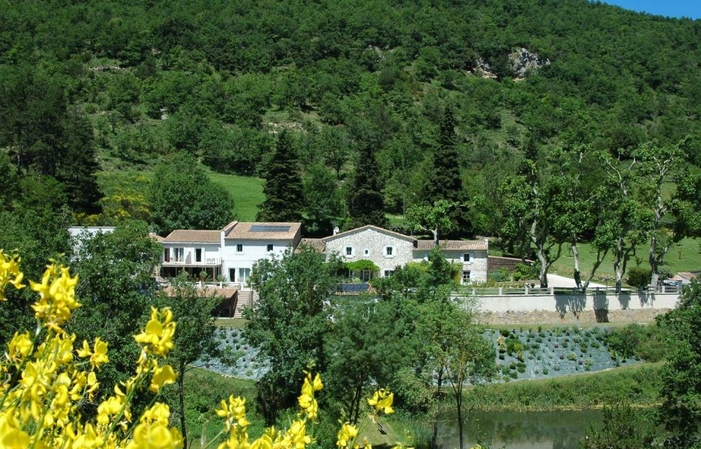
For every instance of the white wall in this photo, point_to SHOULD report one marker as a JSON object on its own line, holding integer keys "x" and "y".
{"x": 210, "y": 253}
{"x": 253, "y": 251}
{"x": 574, "y": 303}
{"x": 477, "y": 266}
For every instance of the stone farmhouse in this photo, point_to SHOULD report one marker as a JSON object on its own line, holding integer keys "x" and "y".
{"x": 389, "y": 250}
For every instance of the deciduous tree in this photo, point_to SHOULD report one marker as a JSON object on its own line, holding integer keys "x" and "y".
{"x": 289, "y": 322}
{"x": 182, "y": 197}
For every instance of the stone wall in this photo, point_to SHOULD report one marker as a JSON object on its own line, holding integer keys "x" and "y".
{"x": 595, "y": 307}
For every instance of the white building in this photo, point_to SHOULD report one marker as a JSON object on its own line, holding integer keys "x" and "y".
{"x": 229, "y": 252}
{"x": 389, "y": 250}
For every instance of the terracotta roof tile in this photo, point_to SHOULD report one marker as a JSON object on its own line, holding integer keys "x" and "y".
{"x": 454, "y": 245}
{"x": 193, "y": 236}
{"x": 317, "y": 245}
{"x": 264, "y": 231}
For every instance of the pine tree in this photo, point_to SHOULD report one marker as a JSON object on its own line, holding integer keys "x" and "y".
{"x": 284, "y": 192}
{"x": 366, "y": 204}
{"x": 444, "y": 181}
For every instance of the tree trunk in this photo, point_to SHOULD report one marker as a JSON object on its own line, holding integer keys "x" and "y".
{"x": 439, "y": 385}
{"x": 458, "y": 406}
{"x": 436, "y": 242}
{"x": 577, "y": 273}
{"x": 181, "y": 399}
{"x": 544, "y": 265}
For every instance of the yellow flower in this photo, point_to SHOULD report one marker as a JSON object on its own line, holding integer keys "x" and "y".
{"x": 163, "y": 375}
{"x": 347, "y": 434}
{"x": 234, "y": 410}
{"x": 159, "y": 332}
{"x": 98, "y": 356}
{"x": 306, "y": 399}
{"x": 10, "y": 273}
{"x": 56, "y": 296}
{"x": 381, "y": 401}
{"x": 155, "y": 436}
{"x": 20, "y": 346}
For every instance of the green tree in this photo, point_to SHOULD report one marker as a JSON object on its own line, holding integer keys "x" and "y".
{"x": 465, "y": 355}
{"x": 623, "y": 227}
{"x": 323, "y": 202}
{"x": 660, "y": 167}
{"x": 680, "y": 377}
{"x": 435, "y": 218}
{"x": 444, "y": 179}
{"x": 283, "y": 189}
{"x": 370, "y": 344}
{"x": 116, "y": 290}
{"x": 193, "y": 311}
{"x": 366, "y": 205}
{"x": 289, "y": 323}
{"x": 182, "y": 197}
{"x": 623, "y": 428}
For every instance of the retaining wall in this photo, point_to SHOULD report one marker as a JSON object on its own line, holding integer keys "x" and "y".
{"x": 595, "y": 307}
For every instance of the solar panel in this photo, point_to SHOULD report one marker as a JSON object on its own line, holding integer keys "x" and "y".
{"x": 269, "y": 228}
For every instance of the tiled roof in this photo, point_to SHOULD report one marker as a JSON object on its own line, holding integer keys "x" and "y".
{"x": 193, "y": 236}
{"x": 317, "y": 245}
{"x": 375, "y": 228}
{"x": 454, "y": 245}
{"x": 263, "y": 231}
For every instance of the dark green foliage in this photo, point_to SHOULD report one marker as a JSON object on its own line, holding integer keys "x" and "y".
{"x": 193, "y": 311}
{"x": 365, "y": 201}
{"x": 183, "y": 197}
{"x": 680, "y": 376}
{"x": 116, "y": 290}
{"x": 289, "y": 323}
{"x": 284, "y": 192}
{"x": 638, "y": 277}
{"x": 624, "y": 427}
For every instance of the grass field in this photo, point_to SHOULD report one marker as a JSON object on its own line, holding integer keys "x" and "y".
{"x": 686, "y": 256}
{"x": 246, "y": 191}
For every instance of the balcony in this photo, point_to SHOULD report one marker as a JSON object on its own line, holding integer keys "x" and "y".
{"x": 189, "y": 262}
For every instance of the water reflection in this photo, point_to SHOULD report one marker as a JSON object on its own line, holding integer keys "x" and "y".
{"x": 527, "y": 430}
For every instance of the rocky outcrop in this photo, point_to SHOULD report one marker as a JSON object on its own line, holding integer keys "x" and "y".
{"x": 523, "y": 61}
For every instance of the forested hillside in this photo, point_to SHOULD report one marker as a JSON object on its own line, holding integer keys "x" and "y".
{"x": 554, "y": 108}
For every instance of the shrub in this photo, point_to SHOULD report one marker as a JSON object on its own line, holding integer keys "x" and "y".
{"x": 638, "y": 277}
{"x": 40, "y": 407}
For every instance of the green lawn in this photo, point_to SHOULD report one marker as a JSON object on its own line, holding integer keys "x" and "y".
{"x": 246, "y": 191}
{"x": 683, "y": 257}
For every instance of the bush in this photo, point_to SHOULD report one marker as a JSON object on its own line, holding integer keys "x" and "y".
{"x": 638, "y": 277}
{"x": 501, "y": 275}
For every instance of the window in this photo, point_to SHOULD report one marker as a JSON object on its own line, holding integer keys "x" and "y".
{"x": 166, "y": 254}
{"x": 366, "y": 252}
{"x": 465, "y": 277}
{"x": 239, "y": 247}
{"x": 389, "y": 251}
{"x": 466, "y": 257}
{"x": 389, "y": 273}
{"x": 270, "y": 247}
{"x": 244, "y": 274}
{"x": 349, "y": 251}
{"x": 365, "y": 275}
{"x": 179, "y": 254}
{"x": 198, "y": 254}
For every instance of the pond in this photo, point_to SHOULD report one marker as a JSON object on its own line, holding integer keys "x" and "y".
{"x": 521, "y": 430}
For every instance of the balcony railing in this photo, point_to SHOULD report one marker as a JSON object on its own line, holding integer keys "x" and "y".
{"x": 187, "y": 261}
